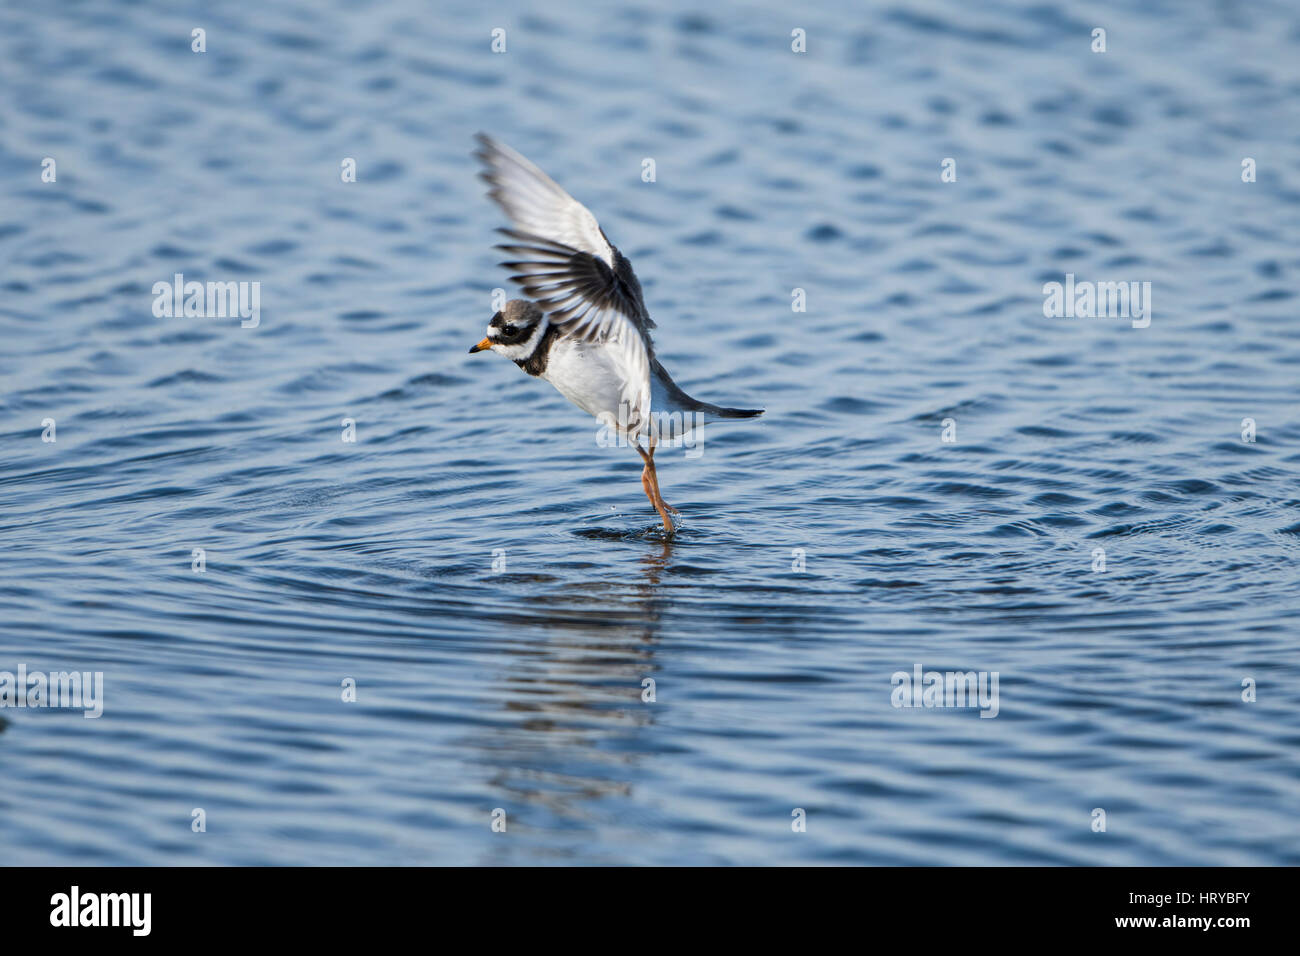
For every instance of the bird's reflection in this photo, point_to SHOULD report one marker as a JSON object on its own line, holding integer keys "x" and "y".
{"x": 578, "y": 693}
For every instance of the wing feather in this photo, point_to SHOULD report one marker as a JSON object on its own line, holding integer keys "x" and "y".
{"x": 536, "y": 204}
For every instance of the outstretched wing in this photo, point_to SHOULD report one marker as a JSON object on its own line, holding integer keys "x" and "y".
{"x": 569, "y": 267}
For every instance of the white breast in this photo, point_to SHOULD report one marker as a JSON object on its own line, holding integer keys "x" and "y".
{"x": 586, "y": 374}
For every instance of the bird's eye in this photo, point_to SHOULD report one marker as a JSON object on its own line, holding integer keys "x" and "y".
{"x": 509, "y": 330}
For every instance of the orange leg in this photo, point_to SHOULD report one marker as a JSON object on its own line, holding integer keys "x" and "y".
{"x": 654, "y": 480}
{"x": 650, "y": 482}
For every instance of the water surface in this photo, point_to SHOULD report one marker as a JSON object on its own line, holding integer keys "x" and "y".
{"x": 520, "y": 687}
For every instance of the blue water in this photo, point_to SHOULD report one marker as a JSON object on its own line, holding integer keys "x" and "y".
{"x": 521, "y": 688}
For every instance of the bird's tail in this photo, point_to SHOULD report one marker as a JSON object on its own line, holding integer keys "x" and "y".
{"x": 667, "y": 394}
{"x": 736, "y": 412}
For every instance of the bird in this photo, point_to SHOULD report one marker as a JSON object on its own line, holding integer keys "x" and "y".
{"x": 584, "y": 326}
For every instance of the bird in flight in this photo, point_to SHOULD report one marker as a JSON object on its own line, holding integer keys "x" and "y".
{"x": 584, "y": 326}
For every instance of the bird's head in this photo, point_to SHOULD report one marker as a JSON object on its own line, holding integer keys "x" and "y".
{"x": 515, "y": 330}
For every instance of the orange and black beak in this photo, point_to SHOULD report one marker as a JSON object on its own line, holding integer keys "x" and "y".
{"x": 485, "y": 344}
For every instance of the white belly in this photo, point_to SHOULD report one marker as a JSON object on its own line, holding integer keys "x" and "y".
{"x": 586, "y": 374}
